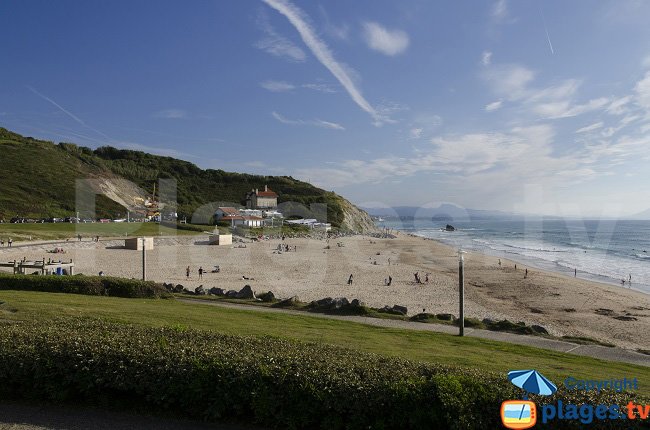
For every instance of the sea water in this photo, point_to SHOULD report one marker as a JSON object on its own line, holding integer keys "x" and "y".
{"x": 602, "y": 250}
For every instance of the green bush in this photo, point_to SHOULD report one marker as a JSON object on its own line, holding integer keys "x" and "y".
{"x": 268, "y": 381}
{"x": 88, "y": 285}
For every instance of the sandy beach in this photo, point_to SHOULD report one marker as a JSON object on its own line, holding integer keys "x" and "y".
{"x": 320, "y": 268}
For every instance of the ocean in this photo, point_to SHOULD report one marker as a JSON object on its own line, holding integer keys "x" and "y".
{"x": 601, "y": 250}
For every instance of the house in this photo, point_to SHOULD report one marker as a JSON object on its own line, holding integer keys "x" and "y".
{"x": 225, "y": 212}
{"x": 266, "y": 199}
{"x": 246, "y": 221}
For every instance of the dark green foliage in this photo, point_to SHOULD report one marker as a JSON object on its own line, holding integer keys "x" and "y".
{"x": 37, "y": 179}
{"x": 88, "y": 285}
{"x": 268, "y": 381}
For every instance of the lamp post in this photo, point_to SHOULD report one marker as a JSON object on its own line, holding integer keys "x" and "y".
{"x": 144, "y": 260}
{"x": 461, "y": 293}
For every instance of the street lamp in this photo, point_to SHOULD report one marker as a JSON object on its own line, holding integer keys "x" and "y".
{"x": 461, "y": 293}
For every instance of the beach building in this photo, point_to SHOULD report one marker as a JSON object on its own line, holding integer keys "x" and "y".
{"x": 136, "y": 243}
{"x": 256, "y": 199}
{"x": 246, "y": 221}
{"x": 225, "y": 212}
{"x": 220, "y": 239}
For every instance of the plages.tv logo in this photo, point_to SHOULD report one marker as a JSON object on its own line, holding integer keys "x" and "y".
{"x": 522, "y": 414}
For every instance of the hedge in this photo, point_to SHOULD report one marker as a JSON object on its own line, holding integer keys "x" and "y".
{"x": 268, "y": 381}
{"x": 79, "y": 284}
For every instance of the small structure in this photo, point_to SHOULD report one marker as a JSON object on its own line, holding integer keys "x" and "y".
{"x": 44, "y": 267}
{"x": 220, "y": 239}
{"x": 136, "y": 243}
{"x": 225, "y": 212}
{"x": 266, "y": 199}
{"x": 246, "y": 221}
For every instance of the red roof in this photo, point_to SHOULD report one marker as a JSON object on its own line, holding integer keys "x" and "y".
{"x": 266, "y": 194}
{"x": 229, "y": 210}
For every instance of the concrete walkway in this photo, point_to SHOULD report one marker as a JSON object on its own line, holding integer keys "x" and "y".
{"x": 595, "y": 351}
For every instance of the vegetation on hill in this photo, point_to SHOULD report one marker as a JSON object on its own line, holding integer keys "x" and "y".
{"x": 37, "y": 179}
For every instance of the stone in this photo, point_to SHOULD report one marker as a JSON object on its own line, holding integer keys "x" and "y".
{"x": 357, "y": 303}
{"x": 200, "y": 291}
{"x": 445, "y": 317}
{"x": 402, "y": 310}
{"x": 217, "y": 291}
{"x": 291, "y": 301}
{"x": 539, "y": 329}
{"x": 179, "y": 288}
{"x": 231, "y": 294}
{"x": 450, "y": 227}
{"x": 246, "y": 293}
{"x": 267, "y": 297}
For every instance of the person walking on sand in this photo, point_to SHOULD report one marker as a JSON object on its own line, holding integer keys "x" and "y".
{"x": 426, "y": 278}
{"x": 2, "y": 243}
{"x": 526, "y": 273}
{"x": 350, "y": 279}
{"x": 390, "y": 280}
{"x": 187, "y": 272}
{"x": 200, "y": 272}
{"x": 575, "y": 273}
{"x": 10, "y": 242}
{"x": 499, "y": 262}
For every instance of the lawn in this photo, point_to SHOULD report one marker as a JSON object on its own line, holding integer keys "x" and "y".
{"x": 53, "y": 231}
{"x": 415, "y": 345}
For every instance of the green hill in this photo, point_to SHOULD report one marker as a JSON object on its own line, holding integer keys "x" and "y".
{"x": 37, "y": 179}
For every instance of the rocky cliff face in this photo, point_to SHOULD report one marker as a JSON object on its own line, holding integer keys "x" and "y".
{"x": 356, "y": 219}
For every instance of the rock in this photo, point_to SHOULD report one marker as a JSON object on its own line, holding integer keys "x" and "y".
{"x": 179, "y": 288}
{"x": 450, "y": 227}
{"x": 328, "y": 304}
{"x": 539, "y": 329}
{"x": 625, "y": 318}
{"x": 246, "y": 293}
{"x": 200, "y": 291}
{"x": 186, "y": 291}
{"x": 402, "y": 310}
{"x": 488, "y": 321}
{"x": 536, "y": 311}
{"x": 323, "y": 303}
{"x": 267, "y": 297}
{"x": 357, "y": 303}
{"x": 231, "y": 293}
{"x": 445, "y": 317}
{"x": 291, "y": 301}
{"x": 217, "y": 291}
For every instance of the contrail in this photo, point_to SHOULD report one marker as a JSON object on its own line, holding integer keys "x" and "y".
{"x": 70, "y": 114}
{"x": 550, "y": 45}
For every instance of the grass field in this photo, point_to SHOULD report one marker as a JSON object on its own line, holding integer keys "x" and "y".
{"x": 415, "y": 345}
{"x": 53, "y": 231}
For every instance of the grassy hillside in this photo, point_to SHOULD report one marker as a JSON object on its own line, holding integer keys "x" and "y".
{"x": 415, "y": 345}
{"x": 37, "y": 179}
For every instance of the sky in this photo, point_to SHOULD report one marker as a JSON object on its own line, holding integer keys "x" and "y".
{"x": 528, "y": 106}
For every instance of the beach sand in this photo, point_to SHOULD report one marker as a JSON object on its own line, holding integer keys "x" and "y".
{"x": 563, "y": 305}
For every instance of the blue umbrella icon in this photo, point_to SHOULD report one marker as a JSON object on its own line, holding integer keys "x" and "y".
{"x": 532, "y": 381}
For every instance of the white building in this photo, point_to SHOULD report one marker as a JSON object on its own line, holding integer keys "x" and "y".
{"x": 246, "y": 221}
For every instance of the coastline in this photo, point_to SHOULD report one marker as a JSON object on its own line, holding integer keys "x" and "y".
{"x": 565, "y": 306}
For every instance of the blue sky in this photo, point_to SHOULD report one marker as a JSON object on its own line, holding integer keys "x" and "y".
{"x": 530, "y": 106}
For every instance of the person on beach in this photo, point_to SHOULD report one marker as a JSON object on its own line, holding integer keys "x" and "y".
{"x": 575, "y": 273}
{"x": 390, "y": 280}
{"x": 10, "y": 242}
{"x": 526, "y": 273}
{"x": 350, "y": 279}
{"x": 389, "y": 261}
{"x": 515, "y": 267}
{"x": 79, "y": 237}
{"x": 187, "y": 272}
{"x": 426, "y": 278}
{"x": 200, "y": 272}
{"x": 2, "y": 243}
{"x": 630, "y": 279}
{"x": 499, "y": 262}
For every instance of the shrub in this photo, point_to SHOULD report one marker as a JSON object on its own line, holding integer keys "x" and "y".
{"x": 88, "y": 285}
{"x": 269, "y": 381}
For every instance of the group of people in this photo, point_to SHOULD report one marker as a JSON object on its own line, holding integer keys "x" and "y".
{"x": 418, "y": 280}
{"x": 10, "y": 241}
{"x": 188, "y": 272}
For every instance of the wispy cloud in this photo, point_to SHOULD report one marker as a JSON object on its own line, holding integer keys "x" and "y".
{"x": 500, "y": 10}
{"x": 486, "y": 58}
{"x": 277, "y": 86}
{"x": 381, "y": 39}
{"x": 592, "y": 127}
{"x": 276, "y": 44}
{"x": 322, "y": 52}
{"x": 340, "y": 32}
{"x": 323, "y": 88}
{"x": 170, "y": 114}
{"x": 312, "y": 122}
{"x": 491, "y": 107}
{"x": 642, "y": 92}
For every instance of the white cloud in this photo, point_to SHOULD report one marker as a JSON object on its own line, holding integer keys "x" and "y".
{"x": 486, "y": 58}
{"x": 170, "y": 114}
{"x": 491, "y": 107}
{"x": 642, "y": 90}
{"x": 500, "y": 10}
{"x": 323, "y": 88}
{"x": 564, "y": 108}
{"x": 510, "y": 81}
{"x": 278, "y": 45}
{"x": 416, "y": 132}
{"x": 322, "y": 52}
{"x": 592, "y": 127}
{"x": 315, "y": 122}
{"x": 619, "y": 106}
{"x": 277, "y": 86}
{"x": 389, "y": 42}
{"x": 646, "y": 62}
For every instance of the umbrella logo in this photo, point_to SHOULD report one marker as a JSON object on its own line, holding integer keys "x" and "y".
{"x": 522, "y": 414}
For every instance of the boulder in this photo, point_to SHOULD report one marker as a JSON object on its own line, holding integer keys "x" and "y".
{"x": 291, "y": 301}
{"x": 267, "y": 297}
{"x": 357, "y": 303}
{"x": 402, "y": 310}
{"x": 450, "y": 227}
{"x": 186, "y": 291}
{"x": 246, "y": 293}
{"x": 232, "y": 294}
{"x": 445, "y": 317}
{"x": 200, "y": 291}
{"x": 539, "y": 329}
{"x": 217, "y": 291}
{"x": 179, "y": 288}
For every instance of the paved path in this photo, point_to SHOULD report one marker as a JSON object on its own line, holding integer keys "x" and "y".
{"x": 18, "y": 416}
{"x": 595, "y": 351}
